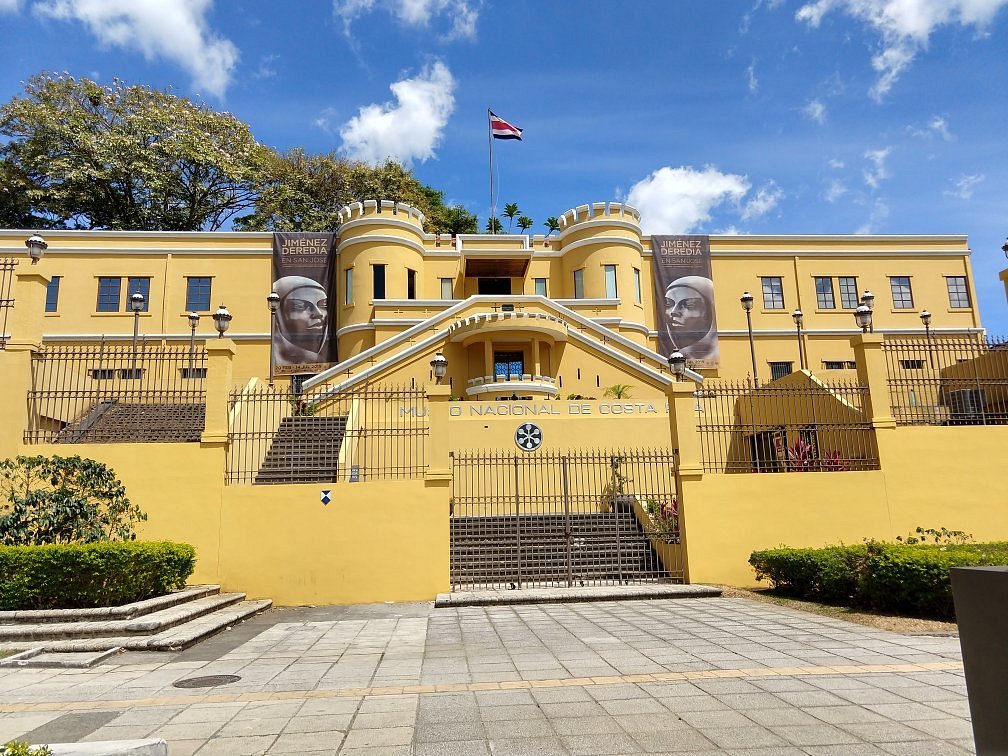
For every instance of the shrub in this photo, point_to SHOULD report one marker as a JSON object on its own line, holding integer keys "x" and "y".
{"x": 887, "y": 577}
{"x": 63, "y": 500}
{"x": 93, "y": 574}
{"x": 20, "y": 748}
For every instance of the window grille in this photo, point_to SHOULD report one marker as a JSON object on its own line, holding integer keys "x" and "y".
{"x": 957, "y": 291}
{"x": 902, "y": 295}
{"x": 780, "y": 369}
{"x": 849, "y": 298}
{"x": 108, "y": 294}
{"x": 824, "y": 293}
{"x": 198, "y": 294}
{"x": 52, "y": 294}
{"x": 773, "y": 293}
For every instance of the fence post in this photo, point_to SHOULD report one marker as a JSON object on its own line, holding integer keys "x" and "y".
{"x": 220, "y": 355}
{"x": 874, "y": 376}
{"x": 683, "y": 426}
{"x": 436, "y": 453}
{"x": 24, "y": 325}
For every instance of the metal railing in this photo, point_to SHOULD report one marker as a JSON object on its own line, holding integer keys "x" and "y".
{"x": 278, "y": 436}
{"x": 805, "y": 426}
{"x": 7, "y": 266}
{"x": 113, "y": 393}
{"x": 564, "y": 518}
{"x": 948, "y": 380}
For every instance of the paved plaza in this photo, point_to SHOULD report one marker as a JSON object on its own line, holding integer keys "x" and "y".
{"x": 698, "y": 675}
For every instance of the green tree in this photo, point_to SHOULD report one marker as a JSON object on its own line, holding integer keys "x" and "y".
{"x": 524, "y": 223}
{"x": 15, "y": 205}
{"x": 511, "y": 212}
{"x": 494, "y": 226}
{"x": 46, "y": 500}
{"x": 552, "y": 224}
{"x": 127, "y": 157}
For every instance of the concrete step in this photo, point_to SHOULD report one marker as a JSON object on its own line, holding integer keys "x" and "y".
{"x": 104, "y": 613}
{"x": 148, "y": 624}
{"x": 170, "y": 639}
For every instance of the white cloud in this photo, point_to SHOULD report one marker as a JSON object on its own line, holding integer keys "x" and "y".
{"x": 461, "y": 15}
{"x": 815, "y": 110}
{"x": 835, "y": 163}
{"x": 10, "y": 6}
{"x": 904, "y": 27}
{"x": 876, "y": 171}
{"x": 409, "y": 129}
{"x": 964, "y": 186}
{"x": 176, "y": 30}
{"x": 936, "y": 127}
{"x": 834, "y": 191}
{"x": 879, "y": 212}
{"x": 326, "y": 120}
{"x": 751, "y": 76}
{"x": 266, "y": 69}
{"x": 766, "y": 199}
{"x": 677, "y": 200}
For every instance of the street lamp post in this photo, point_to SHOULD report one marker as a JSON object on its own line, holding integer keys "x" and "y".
{"x": 273, "y": 302}
{"x": 137, "y": 302}
{"x": 798, "y": 319}
{"x": 677, "y": 364}
{"x": 747, "y": 304}
{"x": 439, "y": 366}
{"x": 868, "y": 300}
{"x": 925, "y": 317}
{"x": 36, "y": 247}
{"x": 193, "y": 323}
{"x": 222, "y": 320}
{"x": 863, "y": 317}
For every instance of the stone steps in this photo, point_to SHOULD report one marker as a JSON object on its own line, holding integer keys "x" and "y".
{"x": 305, "y": 449}
{"x": 167, "y": 623}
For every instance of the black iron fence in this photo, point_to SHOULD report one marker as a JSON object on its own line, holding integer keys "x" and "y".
{"x": 804, "y": 426}
{"x": 115, "y": 393}
{"x": 7, "y": 266}
{"x": 948, "y": 380}
{"x": 279, "y": 436}
{"x": 564, "y": 518}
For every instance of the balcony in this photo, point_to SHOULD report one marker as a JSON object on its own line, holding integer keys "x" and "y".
{"x": 489, "y": 386}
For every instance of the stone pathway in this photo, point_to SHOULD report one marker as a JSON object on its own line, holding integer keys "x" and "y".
{"x": 663, "y": 676}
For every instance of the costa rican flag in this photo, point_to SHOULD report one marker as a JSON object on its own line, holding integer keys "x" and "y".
{"x": 501, "y": 129}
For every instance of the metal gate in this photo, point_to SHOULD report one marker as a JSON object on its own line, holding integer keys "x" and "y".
{"x": 564, "y": 519}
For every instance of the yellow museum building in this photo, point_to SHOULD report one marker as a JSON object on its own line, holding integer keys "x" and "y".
{"x": 500, "y": 408}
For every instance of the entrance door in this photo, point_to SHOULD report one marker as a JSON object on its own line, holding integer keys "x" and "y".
{"x": 494, "y": 286}
{"x": 564, "y": 518}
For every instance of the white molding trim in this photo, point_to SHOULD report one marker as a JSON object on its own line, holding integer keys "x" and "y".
{"x": 354, "y": 327}
{"x": 381, "y": 239}
{"x": 602, "y": 220}
{"x": 140, "y": 251}
{"x": 596, "y": 240}
{"x": 380, "y": 220}
{"x": 513, "y": 386}
{"x": 200, "y": 337}
{"x": 571, "y": 303}
{"x": 414, "y": 302}
{"x": 396, "y": 321}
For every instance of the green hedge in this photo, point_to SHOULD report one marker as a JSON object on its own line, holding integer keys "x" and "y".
{"x": 887, "y": 577}
{"x": 66, "y": 576}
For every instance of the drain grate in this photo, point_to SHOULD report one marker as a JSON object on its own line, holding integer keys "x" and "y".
{"x": 209, "y": 681}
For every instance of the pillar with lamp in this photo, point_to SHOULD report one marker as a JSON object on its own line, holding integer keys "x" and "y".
{"x": 868, "y": 300}
{"x": 747, "y": 304}
{"x": 273, "y": 302}
{"x": 193, "y": 324}
{"x": 222, "y": 320}
{"x": 798, "y": 319}
{"x": 439, "y": 366}
{"x": 137, "y": 303}
{"x": 863, "y": 317}
{"x": 925, "y": 317}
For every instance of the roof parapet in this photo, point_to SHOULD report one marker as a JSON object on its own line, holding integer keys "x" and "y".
{"x": 373, "y": 209}
{"x": 598, "y": 210}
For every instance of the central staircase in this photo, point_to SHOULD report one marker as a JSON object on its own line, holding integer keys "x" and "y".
{"x": 305, "y": 449}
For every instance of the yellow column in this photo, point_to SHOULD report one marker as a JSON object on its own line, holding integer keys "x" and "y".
{"x": 220, "y": 356}
{"x": 488, "y": 366}
{"x": 436, "y": 453}
{"x": 24, "y": 325}
{"x": 683, "y": 427}
{"x": 535, "y": 356}
{"x": 872, "y": 373}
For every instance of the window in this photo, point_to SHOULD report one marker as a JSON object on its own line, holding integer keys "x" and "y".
{"x": 824, "y": 293}
{"x": 348, "y": 286}
{"x": 610, "y": 281}
{"x": 637, "y": 286}
{"x": 378, "y": 282}
{"x": 141, "y": 285}
{"x": 540, "y": 287}
{"x": 958, "y": 292}
{"x": 108, "y": 294}
{"x": 197, "y": 298}
{"x": 52, "y": 294}
{"x": 780, "y": 369}
{"x": 773, "y": 293}
{"x": 839, "y": 365}
{"x": 579, "y": 284}
{"x": 508, "y": 364}
{"x": 912, "y": 364}
{"x": 410, "y": 284}
{"x": 446, "y": 288}
{"x": 849, "y": 299}
{"x": 902, "y": 296}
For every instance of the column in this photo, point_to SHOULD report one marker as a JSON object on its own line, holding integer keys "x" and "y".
{"x": 873, "y": 374}
{"x": 24, "y": 325}
{"x": 220, "y": 355}
{"x": 488, "y": 364}
{"x": 436, "y": 451}
{"x": 535, "y": 357}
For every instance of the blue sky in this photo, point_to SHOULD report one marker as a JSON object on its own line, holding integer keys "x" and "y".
{"x": 763, "y": 116}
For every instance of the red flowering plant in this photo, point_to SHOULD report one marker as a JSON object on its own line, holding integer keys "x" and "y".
{"x": 664, "y": 519}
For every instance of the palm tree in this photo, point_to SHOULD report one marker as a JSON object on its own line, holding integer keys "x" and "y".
{"x": 511, "y": 212}
{"x": 524, "y": 223}
{"x": 552, "y": 224}
{"x": 494, "y": 226}
{"x": 618, "y": 391}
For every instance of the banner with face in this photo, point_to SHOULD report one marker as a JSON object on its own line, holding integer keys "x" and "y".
{"x": 684, "y": 293}
{"x": 304, "y": 279}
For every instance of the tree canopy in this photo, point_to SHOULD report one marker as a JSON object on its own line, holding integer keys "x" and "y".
{"x": 82, "y": 155}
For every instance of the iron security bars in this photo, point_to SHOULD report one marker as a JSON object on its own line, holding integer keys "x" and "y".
{"x": 7, "y": 266}
{"x": 948, "y": 380}
{"x": 113, "y": 393}
{"x": 564, "y": 518}
{"x": 805, "y": 425}
{"x": 282, "y": 436}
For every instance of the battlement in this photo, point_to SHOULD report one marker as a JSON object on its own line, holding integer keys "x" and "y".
{"x": 599, "y": 211}
{"x": 380, "y": 210}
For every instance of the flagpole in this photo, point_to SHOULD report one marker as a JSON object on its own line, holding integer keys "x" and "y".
{"x": 490, "y": 144}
